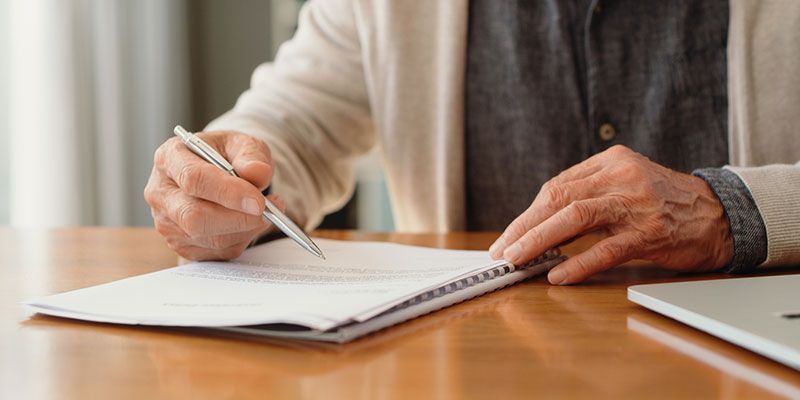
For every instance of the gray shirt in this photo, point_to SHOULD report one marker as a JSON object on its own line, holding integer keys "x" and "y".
{"x": 551, "y": 82}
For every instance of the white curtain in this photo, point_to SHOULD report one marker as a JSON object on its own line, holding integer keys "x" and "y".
{"x": 94, "y": 86}
{"x": 90, "y": 88}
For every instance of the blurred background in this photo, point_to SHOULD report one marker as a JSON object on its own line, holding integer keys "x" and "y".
{"x": 90, "y": 88}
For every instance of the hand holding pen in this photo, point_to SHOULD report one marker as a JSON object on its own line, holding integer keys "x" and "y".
{"x": 203, "y": 211}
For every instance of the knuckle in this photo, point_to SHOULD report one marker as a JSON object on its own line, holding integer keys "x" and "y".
{"x": 580, "y": 213}
{"x": 248, "y": 140}
{"x": 606, "y": 253}
{"x": 647, "y": 195}
{"x": 163, "y": 230}
{"x": 601, "y": 180}
{"x": 611, "y": 252}
{"x": 190, "y": 218}
{"x": 153, "y": 195}
{"x": 150, "y": 195}
{"x": 173, "y": 143}
{"x": 637, "y": 246}
{"x": 631, "y": 169}
{"x": 582, "y": 268}
{"x": 549, "y": 184}
{"x": 161, "y": 155}
{"x": 555, "y": 196}
{"x": 262, "y": 148}
{"x": 190, "y": 178}
{"x": 564, "y": 174}
{"x": 619, "y": 150}
{"x": 175, "y": 243}
{"x": 658, "y": 226}
{"x": 159, "y": 160}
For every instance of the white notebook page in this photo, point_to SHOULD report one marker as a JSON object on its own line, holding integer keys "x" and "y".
{"x": 274, "y": 282}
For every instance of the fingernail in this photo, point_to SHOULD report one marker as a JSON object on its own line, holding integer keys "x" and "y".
{"x": 494, "y": 249}
{"x": 513, "y": 252}
{"x": 557, "y": 276}
{"x": 250, "y": 206}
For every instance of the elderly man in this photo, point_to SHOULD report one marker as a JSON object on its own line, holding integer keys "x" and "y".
{"x": 476, "y": 104}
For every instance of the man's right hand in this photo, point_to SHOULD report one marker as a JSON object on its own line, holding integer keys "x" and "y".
{"x": 204, "y": 213}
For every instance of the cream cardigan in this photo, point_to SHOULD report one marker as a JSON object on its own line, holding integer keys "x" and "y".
{"x": 390, "y": 73}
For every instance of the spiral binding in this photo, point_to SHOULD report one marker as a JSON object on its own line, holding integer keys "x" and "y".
{"x": 473, "y": 280}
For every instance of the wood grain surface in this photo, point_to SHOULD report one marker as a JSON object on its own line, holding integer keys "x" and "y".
{"x": 530, "y": 340}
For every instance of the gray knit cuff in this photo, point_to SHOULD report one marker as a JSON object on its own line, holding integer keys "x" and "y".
{"x": 747, "y": 227}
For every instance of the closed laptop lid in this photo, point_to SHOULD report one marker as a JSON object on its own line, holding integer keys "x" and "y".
{"x": 761, "y": 314}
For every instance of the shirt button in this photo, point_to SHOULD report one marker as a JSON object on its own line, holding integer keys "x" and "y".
{"x": 607, "y": 132}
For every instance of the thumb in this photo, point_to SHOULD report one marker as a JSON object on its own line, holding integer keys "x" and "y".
{"x": 251, "y": 159}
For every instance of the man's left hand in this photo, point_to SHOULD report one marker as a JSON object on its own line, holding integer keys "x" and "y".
{"x": 644, "y": 211}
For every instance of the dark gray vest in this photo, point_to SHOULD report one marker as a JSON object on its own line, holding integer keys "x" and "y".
{"x": 551, "y": 82}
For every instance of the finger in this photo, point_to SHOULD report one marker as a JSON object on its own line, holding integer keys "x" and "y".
{"x": 584, "y": 169}
{"x": 604, "y": 255}
{"x": 199, "y": 218}
{"x": 176, "y": 237}
{"x": 196, "y": 253}
{"x": 200, "y": 179}
{"x": 250, "y": 157}
{"x": 220, "y": 242}
{"x": 155, "y": 188}
{"x": 552, "y": 198}
{"x": 575, "y": 219}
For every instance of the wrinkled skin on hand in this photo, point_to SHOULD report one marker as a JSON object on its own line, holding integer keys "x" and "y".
{"x": 204, "y": 213}
{"x": 644, "y": 211}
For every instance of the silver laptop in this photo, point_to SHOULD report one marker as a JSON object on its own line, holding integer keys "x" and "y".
{"x": 760, "y": 314}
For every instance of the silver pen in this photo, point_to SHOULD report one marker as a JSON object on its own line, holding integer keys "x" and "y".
{"x": 272, "y": 213}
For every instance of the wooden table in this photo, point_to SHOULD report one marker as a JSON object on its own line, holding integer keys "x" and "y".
{"x": 529, "y": 340}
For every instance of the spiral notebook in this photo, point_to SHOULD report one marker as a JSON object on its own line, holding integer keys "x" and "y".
{"x": 278, "y": 290}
